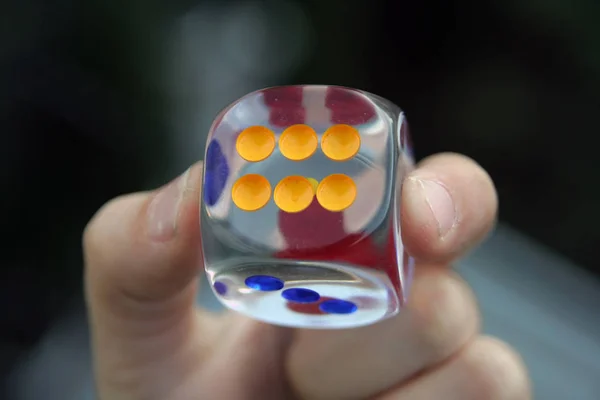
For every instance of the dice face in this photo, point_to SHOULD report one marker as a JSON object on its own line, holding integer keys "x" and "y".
{"x": 300, "y": 210}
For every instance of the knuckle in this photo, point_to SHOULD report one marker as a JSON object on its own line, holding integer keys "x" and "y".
{"x": 92, "y": 238}
{"x": 445, "y": 314}
{"x": 110, "y": 230}
{"x": 495, "y": 371}
{"x": 100, "y": 231}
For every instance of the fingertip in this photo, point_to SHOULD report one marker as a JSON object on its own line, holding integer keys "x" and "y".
{"x": 146, "y": 245}
{"x": 449, "y": 205}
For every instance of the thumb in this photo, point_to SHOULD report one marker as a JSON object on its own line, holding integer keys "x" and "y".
{"x": 142, "y": 256}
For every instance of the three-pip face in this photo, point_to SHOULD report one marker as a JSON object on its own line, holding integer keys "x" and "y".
{"x": 299, "y": 218}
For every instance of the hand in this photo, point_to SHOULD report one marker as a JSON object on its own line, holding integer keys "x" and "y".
{"x": 143, "y": 257}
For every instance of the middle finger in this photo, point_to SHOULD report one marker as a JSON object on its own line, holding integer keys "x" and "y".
{"x": 440, "y": 318}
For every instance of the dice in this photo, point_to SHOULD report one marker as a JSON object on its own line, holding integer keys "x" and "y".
{"x": 300, "y": 208}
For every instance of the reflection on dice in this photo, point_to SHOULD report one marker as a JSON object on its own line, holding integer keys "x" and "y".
{"x": 300, "y": 209}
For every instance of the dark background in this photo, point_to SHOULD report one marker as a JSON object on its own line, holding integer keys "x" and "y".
{"x": 97, "y": 98}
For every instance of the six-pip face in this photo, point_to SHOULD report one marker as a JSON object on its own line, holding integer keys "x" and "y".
{"x": 299, "y": 217}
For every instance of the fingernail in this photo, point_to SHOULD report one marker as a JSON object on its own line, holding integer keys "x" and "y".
{"x": 164, "y": 209}
{"x": 439, "y": 203}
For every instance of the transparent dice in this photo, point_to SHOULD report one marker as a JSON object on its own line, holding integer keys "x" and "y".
{"x": 300, "y": 208}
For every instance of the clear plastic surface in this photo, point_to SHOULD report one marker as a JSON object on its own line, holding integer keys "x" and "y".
{"x": 300, "y": 209}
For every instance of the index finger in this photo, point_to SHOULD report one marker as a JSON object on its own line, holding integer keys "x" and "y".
{"x": 449, "y": 205}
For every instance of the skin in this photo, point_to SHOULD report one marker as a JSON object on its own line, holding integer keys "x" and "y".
{"x": 150, "y": 340}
